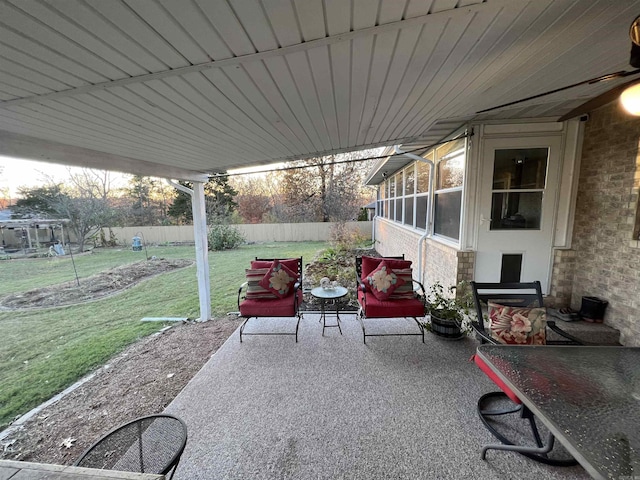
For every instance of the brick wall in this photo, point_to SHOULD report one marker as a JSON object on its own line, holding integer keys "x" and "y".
{"x": 607, "y": 258}
{"x": 392, "y": 239}
{"x": 440, "y": 263}
{"x": 564, "y": 262}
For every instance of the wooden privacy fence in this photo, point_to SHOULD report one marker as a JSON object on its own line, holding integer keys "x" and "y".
{"x": 263, "y": 232}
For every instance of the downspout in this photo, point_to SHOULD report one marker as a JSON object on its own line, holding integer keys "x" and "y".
{"x": 429, "y": 230}
{"x": 202, "y": 251}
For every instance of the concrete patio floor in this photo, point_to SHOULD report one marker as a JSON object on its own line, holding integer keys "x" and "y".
{"x": 333, "y": 408}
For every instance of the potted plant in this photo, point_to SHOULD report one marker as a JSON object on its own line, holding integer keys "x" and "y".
{"x": 449, "y": 310}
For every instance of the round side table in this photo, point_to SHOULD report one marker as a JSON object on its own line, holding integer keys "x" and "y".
{"x": 324, "y": 294}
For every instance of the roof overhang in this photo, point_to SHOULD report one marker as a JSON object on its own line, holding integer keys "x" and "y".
{"x": 186, "y": 89}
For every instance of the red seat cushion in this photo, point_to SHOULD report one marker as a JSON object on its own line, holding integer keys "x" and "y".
{"x": 497, "y": 380}
{"x": 391, "y": 308}
{"x": 276, "y": 307}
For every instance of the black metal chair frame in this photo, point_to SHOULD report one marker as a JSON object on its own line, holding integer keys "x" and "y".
{"x": 297, "y": 313}
{"x": 171, "y": 465}
{"x": 361, "y": 310}
{"x": 514, "y": 294}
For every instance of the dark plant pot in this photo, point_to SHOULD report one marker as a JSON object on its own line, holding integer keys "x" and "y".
{"x": 445, "y": 327}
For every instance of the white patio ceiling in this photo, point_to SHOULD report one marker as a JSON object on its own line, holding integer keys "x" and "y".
{"x": 181, "y": 88}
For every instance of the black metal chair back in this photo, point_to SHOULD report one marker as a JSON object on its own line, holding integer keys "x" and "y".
{"x": 515, "y": 294}
{"x": 151, "y": 444}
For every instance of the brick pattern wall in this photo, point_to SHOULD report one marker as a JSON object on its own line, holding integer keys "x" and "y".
{"x": 607, "y": 257}
{"x": 466, "y": 264}
{"x": 392, "y": 239}
{"x": 564, "y": 262}
{"x": 440, "y": 263}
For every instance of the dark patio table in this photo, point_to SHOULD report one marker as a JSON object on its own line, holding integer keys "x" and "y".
{"x": 588, "y": 397}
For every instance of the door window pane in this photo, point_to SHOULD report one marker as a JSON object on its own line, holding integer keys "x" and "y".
{"x": 516, "y": 210}
{"x": 399, "y": 210}
{"x": 520, "y": 168}
{"x": 514, "y": 171}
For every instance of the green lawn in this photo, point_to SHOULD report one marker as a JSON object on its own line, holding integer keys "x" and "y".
{"x": 44, "y": 351}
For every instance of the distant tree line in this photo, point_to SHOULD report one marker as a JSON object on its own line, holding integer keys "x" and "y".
{"x": 321, "y": 189}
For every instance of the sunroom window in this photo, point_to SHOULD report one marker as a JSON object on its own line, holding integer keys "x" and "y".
{"x": 448, "y": 193}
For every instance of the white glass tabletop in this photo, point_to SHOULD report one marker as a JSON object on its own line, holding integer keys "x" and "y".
{"x": 329, "y": 293}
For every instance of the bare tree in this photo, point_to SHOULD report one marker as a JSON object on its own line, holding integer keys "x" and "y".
{"x": 325, "y": 189}
{"x": 84, "y": 200}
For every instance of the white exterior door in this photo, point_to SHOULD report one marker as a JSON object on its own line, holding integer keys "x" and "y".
{"x": 518, "y": 190}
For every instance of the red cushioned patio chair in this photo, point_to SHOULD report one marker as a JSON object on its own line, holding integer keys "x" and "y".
{"x": 522, "y": 298}
{"x": 386, "y": 289}
{"x": 273, "y": 289}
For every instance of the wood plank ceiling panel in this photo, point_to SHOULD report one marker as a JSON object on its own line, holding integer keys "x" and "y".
{"x": 70, "y": 46}
{"x": 556, "y": 58}
{"x": 253, "y": 21}
{"x": 245, "y": 110}
{"x": 72, "y": 112}
{"x": 477, "y": 41}
{"x": 59, "y": 121}
{"x": 488, "y": 57}
{"x": 179, "y": 91}
{"x": 139, "y": 31}
{"x": 223, "y": 109}
{"x": 161, "y": 20}
{"x": 42, "y": 128}
{"x": 436, "y": 66}
{"x": 298, "y": 64}
{"x": 321, "y": 70}
{"x": 263, "y": 80}
{"x": 364, "y": 16}
{"x": 538, "y": 32}
{"x": 279, "y": 71}
{"x": 171, "y": 101}
{"x": 245, "y": 83}
{"x": 123, "y": 103}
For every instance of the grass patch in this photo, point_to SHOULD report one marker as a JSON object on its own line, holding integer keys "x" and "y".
{"x": 44, "y": 351}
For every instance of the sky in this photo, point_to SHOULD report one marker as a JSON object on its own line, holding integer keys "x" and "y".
{"x": 16, "y": 173}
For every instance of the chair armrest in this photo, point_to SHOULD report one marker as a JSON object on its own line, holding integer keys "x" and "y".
{"x": 420, "y": 289}
{"x": 571, "y": 340}
{"x": 482, "y": 334}
{"x": 244, "y": 285}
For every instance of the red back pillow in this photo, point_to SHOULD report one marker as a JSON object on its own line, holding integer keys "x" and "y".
{"x": 369, "y": 264}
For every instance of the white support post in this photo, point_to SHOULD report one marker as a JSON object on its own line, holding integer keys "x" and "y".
{"x": 202, "y": 250}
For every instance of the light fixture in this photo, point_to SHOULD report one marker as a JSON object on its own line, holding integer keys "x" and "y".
{"x": 630, "y": 97}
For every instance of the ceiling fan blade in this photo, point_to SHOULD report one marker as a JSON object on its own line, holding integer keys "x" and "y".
{"x": 597, "y": 102}
{"x": 601, "y": 78}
